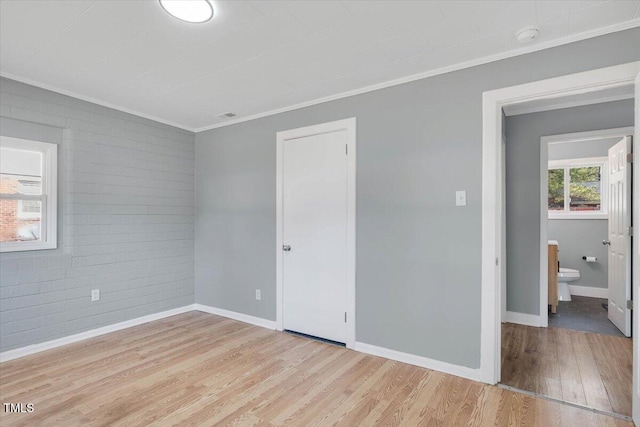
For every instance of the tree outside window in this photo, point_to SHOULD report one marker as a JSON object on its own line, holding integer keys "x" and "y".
{"x": 577, "y": 187}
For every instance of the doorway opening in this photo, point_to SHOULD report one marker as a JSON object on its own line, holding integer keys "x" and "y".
{"x": 570, "y": 88}
{"x": 583, "y": 357}
{"x": 588, "y": 196}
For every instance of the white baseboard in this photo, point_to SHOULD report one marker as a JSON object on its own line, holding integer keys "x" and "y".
{"x": 412, "y": 359}
{"x": 423, "y": 362}
{"x": 523, "y": 319}
{"x": 588, "y": 291}
{"x": 48, "y": 345}
{"x": 436, "y": 365}
{"x": 257, "y": 321}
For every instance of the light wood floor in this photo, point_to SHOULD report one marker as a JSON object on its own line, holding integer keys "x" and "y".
{"x": 573, "y": 366}
{"x": 204, "y": 370}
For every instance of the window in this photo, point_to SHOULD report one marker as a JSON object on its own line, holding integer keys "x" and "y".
{"x": 578, "y": 188}
{"x": 29, "y": 209}
{"x": 28, "y": 195}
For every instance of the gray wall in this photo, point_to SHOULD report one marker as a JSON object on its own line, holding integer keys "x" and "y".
{"x": 582, "y": 149}
{"x": 418, "y": 255}
{"x": 126, "y": 219}
{"x": 580, "y": 237}
{"x": 523, "y": 197}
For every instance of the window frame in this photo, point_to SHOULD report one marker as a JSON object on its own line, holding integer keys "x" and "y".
{"x": 49, "y": 196}
{"x": 567, "y": 164}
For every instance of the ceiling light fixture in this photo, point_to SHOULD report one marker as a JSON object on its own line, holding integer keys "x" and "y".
{"x": 527, "y": 34}
{"x": 195, "y": 11}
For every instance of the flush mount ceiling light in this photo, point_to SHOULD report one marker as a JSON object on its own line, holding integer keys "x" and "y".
{"x": 527, "y": 34}
{"x": 195, "y": 11}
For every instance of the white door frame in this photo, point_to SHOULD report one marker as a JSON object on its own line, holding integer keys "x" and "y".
{"x": 543, "y": 318}
{"x": 635, "y": 262}
{"x": 349, "y": 125}
{"x": 492, "y": 214}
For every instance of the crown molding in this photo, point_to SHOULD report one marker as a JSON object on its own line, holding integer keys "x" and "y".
{"x": 633, "y": 23}
{"x": 93, "y": 100}
{"x": 448, "y": 69}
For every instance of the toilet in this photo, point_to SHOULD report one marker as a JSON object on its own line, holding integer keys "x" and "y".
{"x": 566, "y": 276}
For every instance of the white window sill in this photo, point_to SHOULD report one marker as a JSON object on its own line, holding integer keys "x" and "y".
{"x": 578, "y": 216}
{"x": 26, "y": 246}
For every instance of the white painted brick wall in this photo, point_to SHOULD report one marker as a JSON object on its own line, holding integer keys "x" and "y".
{"x": 127, "y": 207}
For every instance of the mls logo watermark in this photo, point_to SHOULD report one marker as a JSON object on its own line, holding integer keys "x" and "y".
{"x": 18, "y": 407}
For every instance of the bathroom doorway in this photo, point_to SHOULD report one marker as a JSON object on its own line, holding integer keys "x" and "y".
{"x": 568, "y": 350}
{"x": 585, "y": 204}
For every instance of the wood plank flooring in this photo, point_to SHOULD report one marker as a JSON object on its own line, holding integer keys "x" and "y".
{"x": 203, "y": 370}
{"x": 589, "y": 369}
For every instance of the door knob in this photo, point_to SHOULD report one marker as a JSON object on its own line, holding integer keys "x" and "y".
{"x": 606, "y": 242}
{"x": 286, "y": 248}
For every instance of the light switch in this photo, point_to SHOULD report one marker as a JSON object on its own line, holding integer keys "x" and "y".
{"x": 461, "y": 198}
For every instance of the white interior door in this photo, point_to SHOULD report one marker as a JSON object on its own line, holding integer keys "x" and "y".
{"x": 619, "y": 240}
{"x": 315, "y": 235}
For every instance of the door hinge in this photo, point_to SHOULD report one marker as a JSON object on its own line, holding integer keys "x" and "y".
{"x": 346, "y": 149}
{"x": 629, "y": 157}
{"x": 630, "y": 231}
{"x": 345, "y": 317}
{"x": 497, "y": 262}
{"x": 630, "y": 304}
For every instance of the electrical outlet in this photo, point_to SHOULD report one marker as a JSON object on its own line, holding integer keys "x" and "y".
{"x": 461, "y": 198}
{"x": 258, "y": 294}
{"x": 95, "y": 294}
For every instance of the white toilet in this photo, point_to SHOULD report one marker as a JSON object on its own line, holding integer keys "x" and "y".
{"x": 566, "y": 276}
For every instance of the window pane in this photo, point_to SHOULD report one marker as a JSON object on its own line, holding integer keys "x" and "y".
{"x": 556, "y": 189}
{"x": 584, "y": 189}
{"x": 20, "y": 220}
{"x": 20, "y": 172}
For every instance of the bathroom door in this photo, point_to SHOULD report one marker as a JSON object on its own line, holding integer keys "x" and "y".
{"x": 619, "y": 239}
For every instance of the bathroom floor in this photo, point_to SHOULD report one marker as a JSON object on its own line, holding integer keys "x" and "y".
{"x": 584, "y": 314}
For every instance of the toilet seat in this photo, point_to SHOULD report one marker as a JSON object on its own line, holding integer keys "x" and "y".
{"x": 568, "y": 273}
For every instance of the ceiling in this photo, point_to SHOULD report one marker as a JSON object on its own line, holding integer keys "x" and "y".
{"x": 257, "y": 56}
